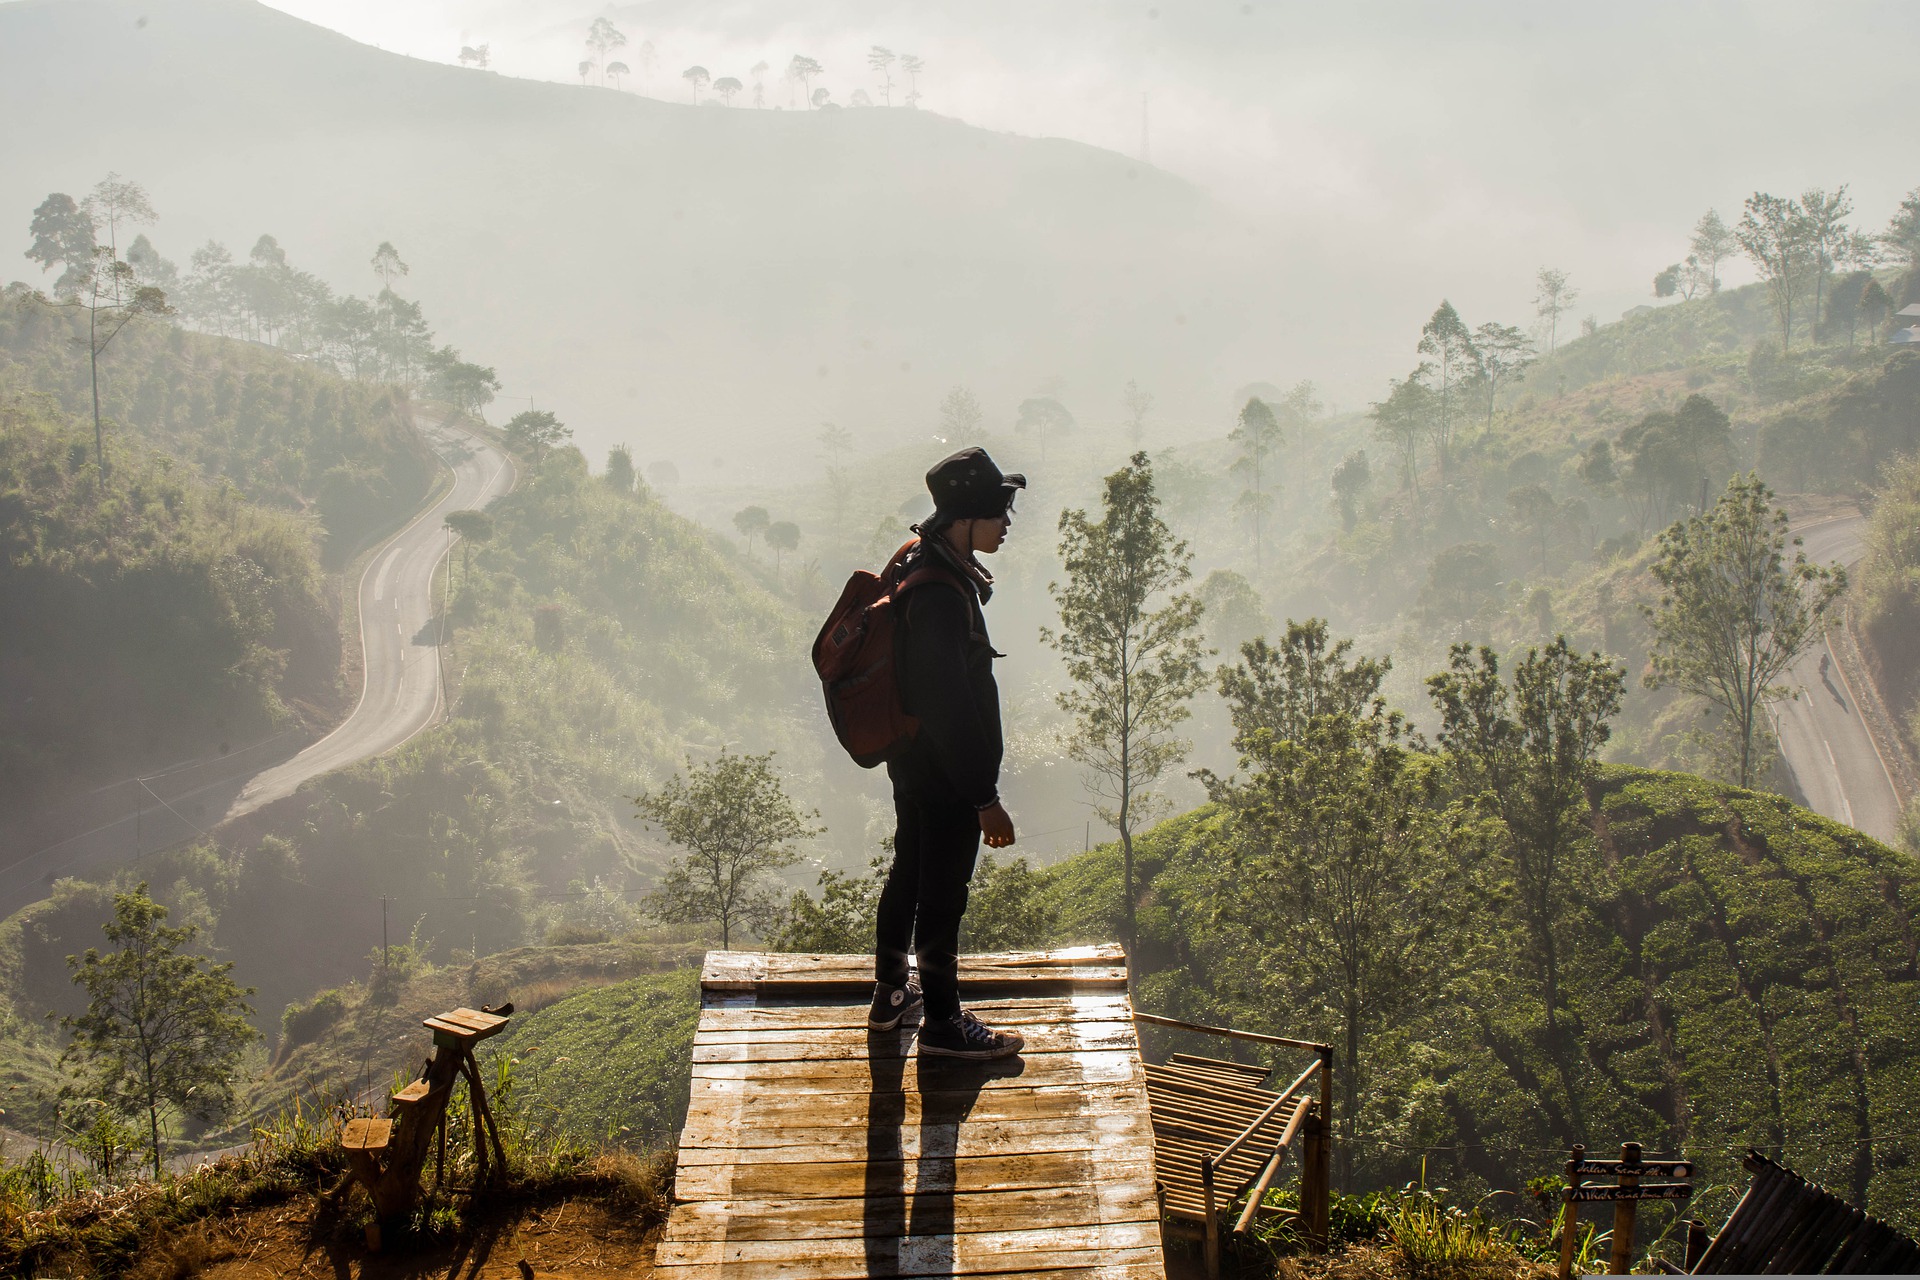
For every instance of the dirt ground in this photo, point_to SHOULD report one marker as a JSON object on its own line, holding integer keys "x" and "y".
{"x": 572, "y": 1238}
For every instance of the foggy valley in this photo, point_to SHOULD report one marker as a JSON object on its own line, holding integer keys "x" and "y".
{"x": 1456, "y": 610}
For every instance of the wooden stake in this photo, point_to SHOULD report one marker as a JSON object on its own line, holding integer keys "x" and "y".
{"x": 1570, "y": 1214}
{"x": 1623, "y": 1210}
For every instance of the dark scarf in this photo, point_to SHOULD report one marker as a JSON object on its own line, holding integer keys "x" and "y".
{"x": 968, "y": 566}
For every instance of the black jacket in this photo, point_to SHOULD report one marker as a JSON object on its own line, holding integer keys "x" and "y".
{"x": 945, "y": 666}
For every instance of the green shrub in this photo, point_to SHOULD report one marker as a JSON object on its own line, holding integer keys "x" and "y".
{"x": 303, "y": 1023}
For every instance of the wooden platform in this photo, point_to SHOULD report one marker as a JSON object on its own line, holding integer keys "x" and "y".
{"x": 816, "y": 1149}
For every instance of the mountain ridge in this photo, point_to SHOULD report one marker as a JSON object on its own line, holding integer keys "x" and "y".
{"x": 643, "y": 266}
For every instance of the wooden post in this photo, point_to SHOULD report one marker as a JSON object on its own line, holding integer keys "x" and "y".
{"x": 1623, "y": 1210}
{"x": 1212, "y": 1237}
{"x": 1316, "y": 1167}
{"x": 1570, "y": 1214}
{"x": 1697, "y": 1242}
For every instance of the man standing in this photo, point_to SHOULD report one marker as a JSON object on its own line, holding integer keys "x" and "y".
{"x": 945, "y": 783}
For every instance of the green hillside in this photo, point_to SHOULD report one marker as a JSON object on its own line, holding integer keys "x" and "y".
{"x": 150, "y": 616}
{"x": 1742, "y": 973}
{"x": 285, "y": 434}
{"x": 599, "y": 641}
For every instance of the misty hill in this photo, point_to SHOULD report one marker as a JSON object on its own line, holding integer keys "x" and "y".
{"x": 181, "y": 607}
{"x": 597, "y": 641}
{"x": 655, "y": 272}
{"x": 1740, "y": 973}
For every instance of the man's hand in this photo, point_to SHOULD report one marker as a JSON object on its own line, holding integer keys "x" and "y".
{"x": 997, "y": 825}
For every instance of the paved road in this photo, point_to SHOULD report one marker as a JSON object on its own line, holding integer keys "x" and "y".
{"x": 399, "y": 629}
{"x": 1823, "y": 739}
{"x": 400, "y": 697}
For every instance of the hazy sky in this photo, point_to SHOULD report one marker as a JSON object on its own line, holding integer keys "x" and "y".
{"x": 1458, "y": 146}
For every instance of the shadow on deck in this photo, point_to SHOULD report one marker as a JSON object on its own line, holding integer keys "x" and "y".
{"x": 815, "y": 1148}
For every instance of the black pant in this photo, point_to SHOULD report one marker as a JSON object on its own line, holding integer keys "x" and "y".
{"x": 936, "y": 840}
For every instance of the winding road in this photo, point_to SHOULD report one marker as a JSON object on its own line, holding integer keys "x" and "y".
{"x": 1824, "y": 740}
{"x": 400, "y": 696}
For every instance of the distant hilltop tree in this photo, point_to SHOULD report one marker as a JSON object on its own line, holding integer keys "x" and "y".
{"x": 912, "y": 66}
{"x": 474, "y": 55}
{"x": 727, "y": 87}
{"x": 603, "y": 38}
{"x": 698, "y": 78}
{"x": 534, "y": 431}
{"x": 759, "y": 73}
{"x": 881, "y": 59}
{"x": 803, "y": 69}
{"x": 619, "y": 71}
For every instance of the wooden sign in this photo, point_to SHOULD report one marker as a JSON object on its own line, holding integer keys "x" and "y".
{"x": 1625, "y": 1194}
{"x": 1646, "y": 1191}
{"x": 1644, "y": 1169}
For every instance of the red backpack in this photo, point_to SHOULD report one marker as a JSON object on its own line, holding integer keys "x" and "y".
{"x": 854, "y": 655}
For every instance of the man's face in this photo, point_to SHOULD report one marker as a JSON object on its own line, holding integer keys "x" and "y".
{"x": 990, "y": 532}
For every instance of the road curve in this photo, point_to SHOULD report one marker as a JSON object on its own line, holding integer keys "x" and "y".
{"x": 400, "y": 696}
{"x": 399, "y": 629}
{"x": 1824, "y": 740}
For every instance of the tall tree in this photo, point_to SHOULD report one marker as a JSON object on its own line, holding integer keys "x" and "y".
{"x": 912, "y": 67}
{"x": 1502, "y": 353}
{"x": 728, "y": 88}
{"x": 1553, "y": 297}
{"x": 804, "y": 69}
{"x": 698, "y": 78}
{"x": 603, "y": 38}
{"x": 783, "y": 536}
{"x": 1734, "y": 612}
{"x": 752, "y": 522}
{"x": 1463, "y": 586}
{"x": 1044, "y": 416}
{"x": 534, "y": 431}
{"x": 1256, "y": 439}
{"x": 1876, "y": 307}
{"x": 738, "y": 827}
{"x": 387, "y": 265}
{"x": 1525, "y": 754}
{"x": 115, "y": 202}
{"x": 1773, "y": 234}
{"x": 620, "y": 474}
{"x": 1713, "y": 242}
{"x": 63, "y": 236}
{"x": 620, "y": 71}
{"x": 1336, "y": 875}
{"x": 468, "y": 527}
{"x": 164, "y": 1029}
{"x": 881, "y": 60}
{"x": 959, "y": 416}
{"x": 1137, "y": 402}
{"x": 1448, "y": 345}
{"x": 1901, "y": 239}
{"x": 1349, "y": 483}
{"x": 1830, "y": 241}
{"x": 759, "y": 73}
{"x": 1128, "y": 638}
{"x": 1401, "y": 421}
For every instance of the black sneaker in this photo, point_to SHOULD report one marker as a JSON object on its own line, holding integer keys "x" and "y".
{"x": 965, "y": 1036}
{"x": 891, "y": 1004}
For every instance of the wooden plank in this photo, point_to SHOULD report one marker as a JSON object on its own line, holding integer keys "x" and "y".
{"x": 842, "y": 1179}
{"x": 852, "y": 1044}
{"x": 910, "y": 1214}
{"x": 742, "y": 1015}
{"x": 732, "y": 1144}
{"x": 844, "y": 1075}
{"x": 764, "y": 971}
{"x": 366, "y": 1135}
{"x": 1136, "y": 1264}
{"x": 963, "y": 1254}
